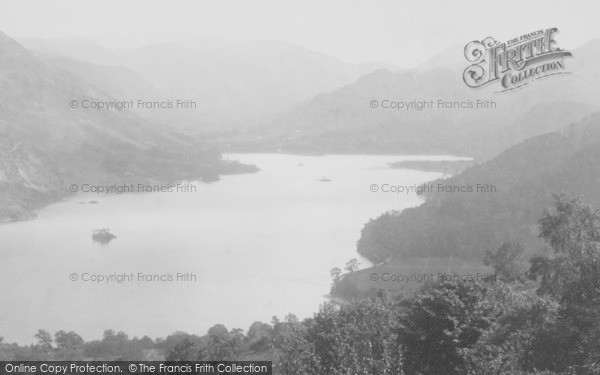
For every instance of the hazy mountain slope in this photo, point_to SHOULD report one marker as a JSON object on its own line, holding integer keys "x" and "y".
{"x": 83, "y": 49}
{"x": 466, "y": 224}
{"x": 235, "y": 84}
{"x": 27, "y": 182}
{"x": 117, "y": 81}
{"x": 46, "y": 143}
{"x": 344, "y": 121}
{"x": 543, "y": 118}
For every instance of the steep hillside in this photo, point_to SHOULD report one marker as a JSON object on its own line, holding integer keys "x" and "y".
{"x": 236, "y": 84}
{"x": 46, "y": 143}
{"x": 345, "y": 120}
{"x": 461, "y": 222}
{"x": 116, "y": 81}
{"x": 27, "y": 182}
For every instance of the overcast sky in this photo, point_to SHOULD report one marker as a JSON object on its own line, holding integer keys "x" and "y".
{"x": 401, "y": 32}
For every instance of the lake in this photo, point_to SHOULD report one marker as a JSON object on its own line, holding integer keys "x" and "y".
{"x": 258, "y": 245}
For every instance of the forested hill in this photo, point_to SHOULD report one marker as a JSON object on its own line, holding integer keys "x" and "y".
{"x": 47, "y": 145}
{"x": 466, "y": 224}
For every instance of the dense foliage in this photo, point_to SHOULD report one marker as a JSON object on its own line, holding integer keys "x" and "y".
{"x": 546, "y": 324}
{"x": 464, "y": 224}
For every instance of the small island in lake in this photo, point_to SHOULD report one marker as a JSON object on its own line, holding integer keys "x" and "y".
{"x": 103, "y": 235}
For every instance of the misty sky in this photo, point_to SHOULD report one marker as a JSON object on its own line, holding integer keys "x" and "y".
{"x": 404, "y": 33}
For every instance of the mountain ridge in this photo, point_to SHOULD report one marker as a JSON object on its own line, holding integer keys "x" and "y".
{"x": 344, "y": 120}
{"x": 463, "y": 225}
{"x": 43, "y": 138}
{"x": 237, "y": 84}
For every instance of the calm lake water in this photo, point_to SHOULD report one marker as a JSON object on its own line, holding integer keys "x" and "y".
{"x": 259, "y": 244}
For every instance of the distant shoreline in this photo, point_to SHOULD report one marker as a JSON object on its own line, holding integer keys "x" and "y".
{"x": 443, "y": 166}
{"x": 227, "y": 168}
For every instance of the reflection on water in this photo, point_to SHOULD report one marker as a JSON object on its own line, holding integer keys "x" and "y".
{"x": 258, "y": 245}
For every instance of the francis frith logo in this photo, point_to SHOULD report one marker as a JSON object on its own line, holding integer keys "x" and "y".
{"x": 514, "y": 63}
